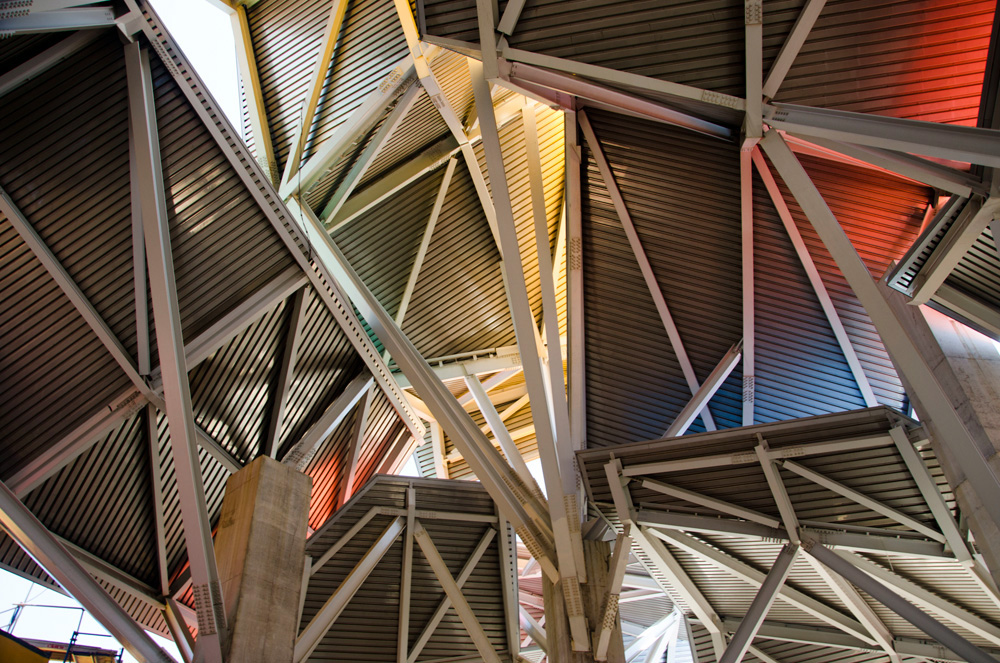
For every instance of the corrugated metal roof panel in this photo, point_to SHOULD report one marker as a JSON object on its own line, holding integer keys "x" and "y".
{"x": 696, "y": 259}
{"x": 224, "y": 247}
{"x": 367, "y": 629}
{"x": 326, "y": 363}
{"x": 231, "y": 389}
{"x": 978, "y": 272}
{"x": 920, "y": 60}
{"x": 102, "y": 501}
{"x": 881, "y": 214}
{"x": 800, "y": 368}
{"x": 382, "y": 244}
{"x": 459, "y": 304}
{"x": 286, "y": 42}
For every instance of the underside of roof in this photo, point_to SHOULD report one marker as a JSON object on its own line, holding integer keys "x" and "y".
{"x": 352, "y": 286}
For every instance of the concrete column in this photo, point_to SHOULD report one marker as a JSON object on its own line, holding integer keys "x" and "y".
{"x": 260, "y": 547}
{"x": 596, "y": 557}
{"x": 967, "y": 365}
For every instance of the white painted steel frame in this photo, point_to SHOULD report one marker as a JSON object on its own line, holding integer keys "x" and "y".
{"x": 299, "y": 305}
{"x": 247, "y": 64}
{"x": 792, "y": 45}
{"x": 212, "y": 627}
{"x": 748, "y": 299}
{"x": 707, "y": 390}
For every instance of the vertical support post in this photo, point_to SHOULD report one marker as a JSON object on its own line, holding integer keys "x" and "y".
{"x": 437, "y": 448}
{"x": 559, "y": 472}
{"x": 754, "y": 36}
{"x": 406, "y": 577}
{"x": 746, "y": 215}
{"x": 138, "y": 264}
{"x": 574, "y": 285}
{"x": 212, "y": 632}
{"x": 156, "y": 481}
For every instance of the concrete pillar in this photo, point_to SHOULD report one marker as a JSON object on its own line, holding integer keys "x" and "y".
{"x": 260, "y": 547}
{"x": 596, "y": 556}
{"x": 967, "y": 366}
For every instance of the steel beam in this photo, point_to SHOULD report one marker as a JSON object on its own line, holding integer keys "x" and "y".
{"x": 179, "y": 631}
{"x": 352, "y": 178}
{"x": 753, "y": 18}
{"x": 793, "y": 44}
{"x": 705, "y": 393}
{"x": 747, "y": 279}
{"x": 644, "y": 265}
{"x": 445, "y": 605}
{"x": 711, "y": 503}
{"x": 437, "y": 448}
{"x": 310, "y": 102}
{"x": 52, "y": 556}
{"x": 58, "y": 20}
{"x": 897, "y": 604}
{"x": 406, "y": 577}
{"x": 509, "y": 19}
{"x": 760, "y": 605}
{"x": 156, "y": 482}
{"x": 454, "y": 594}
{"x": 860, "y": 498}
{"x": 500, "y": 432}
{"x": 963, "y": 233}
{"x": 344, "y": 540}
{"x": 722, "y": 560}
{"x": 299, "y": 306}
{"x": 45, "y": 60}
{"x": 73, "y": 292}
{"x": 356, "y": 440}
{"x": 819, "y": 288}
{"x": 395, "y": 181}
{"x": 651, "y": 634}
{"x": 850, "y": 597}
{"x": 972, "y": 309}
{"x": 534, "y": 630}
{"x": 557, "y": 468}
{"x": 574, "y": 285}
{"x": 944, "y": 141}
{"x": 905, "y": 355}
{"x": 212, "y": 628}
{"x": 256, "y": 109}
{"x": 303, "y": 451}
{"x": 324, "y": 619}
{"x": 609, "y": 612}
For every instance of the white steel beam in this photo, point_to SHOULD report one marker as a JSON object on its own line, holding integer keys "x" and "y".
{"x": 711, "y": 502}
{"x": 313, "y": 633}
{"x": 725, "y": 562}
{"x": 819, "y": 288}
{"x": 705, "y": 393}
{"x": 897, "y": 604}
{"x": 651, "y": 634}
{"x": 961, "y": 235}
{"x": 395, "y": 181}
{"x": 306, "y": 447}
{"x": 520, "y": 73}
{"x": 310, "y": 102}
{"x": 138, "y": 265}
{"x": 357, "y": 171}
{"x": 247, "y": 64}
{"x": 553, "y": 376}
{"x": 454, "y": 594}
{"x": 793, "y": 44}
{"x": 344, "y": 540}
{"x": 617, "y": 77}
{"x": 644, "y": 266}
{"x": 748, "y": 457}
{"x": 944, "y": 141}
{"x": 299, "y": 178}
{"x": 178, "y": 628}
{"x": 406, "y": 577}
{"x": 534, "y": 630}
{"x": 170, "y": 345}
{"x": 52, "y": 556}
{"x": 774, "y": 482}
{"x": 921, "y": 597}
{"x": 500, "y": 432}
{"x": 863, "y": 612}
{"x": 445, "y": 605}
{"x": 425, "y": 241}
{"x": 355, "y": 441}
{"x": 279, "y": 216}
{"x": 971, "y": 308}
{"x": 925, "y": 171}
{"x": 509, "y": 19}
{"x": 437, "y": 448}
{"x": 609, "y": 612}
{"x": 299, "y": 305}
{"x": 747, "y": 278}
{"x": 58, "y": 20}
{"x": 760, "y": 605}
{"x": 905, "y": 355}
{"x": 862, "y": 499}
{"x": 73, "y": 292}
{"x": 156, "y": 482}
{"x": 45, "y": 60}
{"x": 753, "y": 18}
{"x": 574, "y": 285}
{"x": 557, "y": 468}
